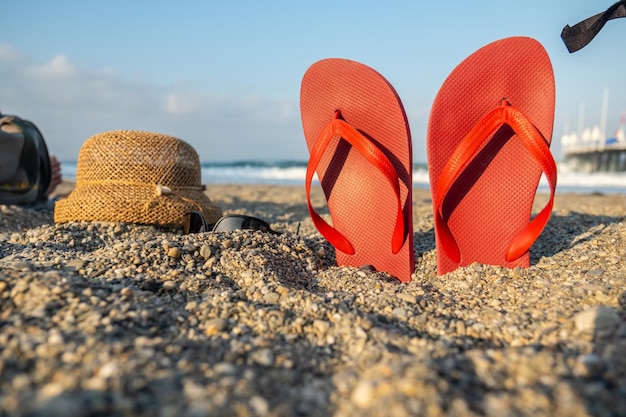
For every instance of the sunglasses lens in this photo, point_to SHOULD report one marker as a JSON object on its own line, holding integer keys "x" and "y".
{"x": 257, "y": 224}
{"x": 239, "y": 222}
{"x": 194, "y": 223}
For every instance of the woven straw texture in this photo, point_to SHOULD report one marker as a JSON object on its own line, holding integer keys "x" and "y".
{"x": 136, "y": 177}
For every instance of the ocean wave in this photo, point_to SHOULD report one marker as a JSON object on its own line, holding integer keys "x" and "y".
{"x": 293, "y": 173}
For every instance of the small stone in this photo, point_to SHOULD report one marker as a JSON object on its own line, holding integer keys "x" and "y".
{"x": 409, "y": 298}
{"x": 19, "y": 265}
{"x": 109, "y": 370}
{"x": 126, "y": 292}
{"x": 174, "y": 253}
{"x": 205, "y": 251}
{"x": 400, "y": 312}
{"x": 587, "y": 366}
{"x": 343, "y": 380}
{"x": 215, "y": 326}
{"x": 263, "y": 357}
{"x": 75, "y": 265}
{"x": 55, "y": 337}
{"x": 321, "y": 326}
{"x": 150, "y": 285}
{"x": 21, "y": 381}
{"x": 271, "y": 297}
{"x": 363, "y": 394}
{"x": 188, "y": 247}
{"x": 460, "y": 328}
{"x": 225, "y": 368}
{"x": 282, "y": 290}
{"x": 259, "y": 405}
{"x": 192, "y": 391}
{"x": 169, "y": 285}
{"x": 95, "y": 384}
{"x": 599, "y": 318}
{"x": 50, "y": 390}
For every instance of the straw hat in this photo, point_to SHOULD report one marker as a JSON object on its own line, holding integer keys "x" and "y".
{"x": 136, "y": 177}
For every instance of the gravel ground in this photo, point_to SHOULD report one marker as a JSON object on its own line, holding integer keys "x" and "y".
{"x": 109, "y": 319}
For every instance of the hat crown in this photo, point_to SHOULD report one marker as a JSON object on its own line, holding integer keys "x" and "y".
{"x": 136, "y": 177}
{"x": 130, "y": 156}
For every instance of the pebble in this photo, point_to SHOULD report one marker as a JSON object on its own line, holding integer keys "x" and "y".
{"x": 363, "y": 394}
{"x": 588, "y": 366}
{"x": 169, "y": 285}
{"x": 116, "y": 319}
{"x": 126, "y": 292}
{"x": 259, "y": 405}
{"x": 149, "y": 285}
{"x": 597, "y": 319}
{"x": 205, "y": 251}
{"x": 174, "y": 253}
{"x": 214, "y": 326}
{"x": 263, "y": 357}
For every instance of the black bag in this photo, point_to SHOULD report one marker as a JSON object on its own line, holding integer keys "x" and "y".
{"x": 25, "y": 170}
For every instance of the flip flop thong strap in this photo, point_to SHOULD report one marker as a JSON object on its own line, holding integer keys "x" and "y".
{"x": 533, "y": 141}
{"x": 376, "y": 158}
{"x": 578, "y": 36}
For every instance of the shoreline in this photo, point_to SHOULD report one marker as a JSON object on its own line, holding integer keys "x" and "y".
{"x": 122, "y": 319}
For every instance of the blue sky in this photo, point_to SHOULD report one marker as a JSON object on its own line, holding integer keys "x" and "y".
{"x": 225, "y": 76}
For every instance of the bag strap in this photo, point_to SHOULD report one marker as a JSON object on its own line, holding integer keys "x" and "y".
{"x": 578, "y": 36}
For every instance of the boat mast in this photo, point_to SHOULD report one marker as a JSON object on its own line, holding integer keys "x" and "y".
{"x": 581, "y": 119}
{"x": 603, "y": 113}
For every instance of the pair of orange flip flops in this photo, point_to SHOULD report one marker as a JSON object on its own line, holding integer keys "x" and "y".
{"x": 488, "y": 143}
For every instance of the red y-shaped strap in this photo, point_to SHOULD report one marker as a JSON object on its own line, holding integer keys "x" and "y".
{"x": 374, "y": 156}
{"x": 463, "y": 154}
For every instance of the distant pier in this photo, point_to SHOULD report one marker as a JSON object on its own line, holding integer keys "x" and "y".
{"x": 605, "y": 159}
{"x": 590, "y": 150}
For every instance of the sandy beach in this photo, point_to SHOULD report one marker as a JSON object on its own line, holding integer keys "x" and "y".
{"x": 109, "y": 319}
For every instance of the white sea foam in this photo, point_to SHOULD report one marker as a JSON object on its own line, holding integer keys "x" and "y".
{"x": 254, "y": 175}
{"x": 293, "y": 173}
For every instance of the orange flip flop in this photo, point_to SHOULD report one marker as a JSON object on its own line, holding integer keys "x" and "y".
{"x": 360, "y": 147}
{"x": 489, "y": 134}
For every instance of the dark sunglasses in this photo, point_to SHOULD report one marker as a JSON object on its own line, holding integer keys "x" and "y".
{"x": 195, "y": 223}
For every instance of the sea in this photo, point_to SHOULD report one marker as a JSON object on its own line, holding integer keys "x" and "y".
{"x": 293, "y": 173}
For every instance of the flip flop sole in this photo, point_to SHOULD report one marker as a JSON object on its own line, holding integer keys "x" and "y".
{"x": 360, "y": 200}
{"x": 492, "y": 200}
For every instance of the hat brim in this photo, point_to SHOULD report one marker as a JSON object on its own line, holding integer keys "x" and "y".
{"x": 133, "y": 204}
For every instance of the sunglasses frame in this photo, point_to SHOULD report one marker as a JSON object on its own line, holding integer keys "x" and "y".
{"x": 195, "y": 217}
